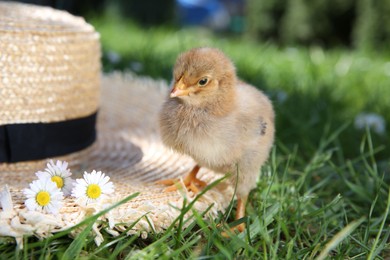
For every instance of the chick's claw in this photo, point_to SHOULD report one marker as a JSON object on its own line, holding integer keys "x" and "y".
{"x": 234, "y": 230}
{"x": 172, "y": 184}
{"x": 191, "y": 182}
{"x": 194, "y": 185}
{"x": 240, "y": 213}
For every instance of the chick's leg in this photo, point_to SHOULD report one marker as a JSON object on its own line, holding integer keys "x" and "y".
{"x": 190, "y": 181}
{"x": 240, "y": 213}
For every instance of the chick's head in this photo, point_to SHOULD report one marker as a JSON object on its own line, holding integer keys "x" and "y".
{"x": 202, "y": 74}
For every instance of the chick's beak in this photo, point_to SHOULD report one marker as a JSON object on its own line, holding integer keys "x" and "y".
{"x": 179, "y": 89}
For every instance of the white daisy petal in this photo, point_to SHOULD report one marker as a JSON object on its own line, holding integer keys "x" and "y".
{"x": 105, "y": 180}
{"x": 67, "y": 189}
{"x": 33, "y": 186}
{"x": 28, "y": 192}
{"x": 108, "y": 188}
{"x": 42, "y": 175}
{"x": 80, "y": 181}
{"x": 50, "y": 208}
{"x": 30, "y": 204}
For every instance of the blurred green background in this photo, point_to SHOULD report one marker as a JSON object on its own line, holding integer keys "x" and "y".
{"x": 324, "y": 64}
{"x": 359, "y": 24}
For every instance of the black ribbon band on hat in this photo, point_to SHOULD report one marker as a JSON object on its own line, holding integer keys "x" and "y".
{"x": 35, "y": 141}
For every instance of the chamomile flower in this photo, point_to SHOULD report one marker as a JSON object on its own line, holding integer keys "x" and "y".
{"x": 93, "y": 187}
{"x": 43, "y": 196}
{"x": 60, "y": 174}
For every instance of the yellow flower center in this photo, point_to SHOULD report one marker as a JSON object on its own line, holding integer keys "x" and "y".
{"x": 43, "y": 198}
{"x": 94, "y": 191}
{"x": 58, "y": 180}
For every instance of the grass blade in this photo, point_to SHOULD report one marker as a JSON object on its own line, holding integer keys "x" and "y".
{"x": 373, "y": 251}
{"x": 75, "y": 247}
{"x": 339, "y": 237}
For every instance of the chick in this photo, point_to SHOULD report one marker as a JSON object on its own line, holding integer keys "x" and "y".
{"x": 223, "y": 123}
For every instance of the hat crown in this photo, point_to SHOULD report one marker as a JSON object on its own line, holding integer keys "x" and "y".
{"x": 49, "y": 65}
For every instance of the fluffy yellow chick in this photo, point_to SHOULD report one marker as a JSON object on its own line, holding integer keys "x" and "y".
{"x": 223, "y": 123}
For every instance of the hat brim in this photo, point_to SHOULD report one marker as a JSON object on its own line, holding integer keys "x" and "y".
{"x": 129, "y": 150}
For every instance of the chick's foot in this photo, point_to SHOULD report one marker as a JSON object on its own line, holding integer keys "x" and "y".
{"x": 191, "y": 182}
{"x": 240, "y": 213}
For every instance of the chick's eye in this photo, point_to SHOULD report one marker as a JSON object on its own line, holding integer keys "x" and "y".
{"x": 202, "y": 82}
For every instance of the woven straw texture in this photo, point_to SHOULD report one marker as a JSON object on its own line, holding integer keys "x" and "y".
{"x": 41, "y": 47}
{"x": 128, "y": 150}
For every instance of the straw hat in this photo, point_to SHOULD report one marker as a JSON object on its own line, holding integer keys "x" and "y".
{"x": 51, "y": 93}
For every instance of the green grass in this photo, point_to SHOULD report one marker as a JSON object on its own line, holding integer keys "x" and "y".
{"x": 324, "y": 192}
{"x": 320, "y": 210}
